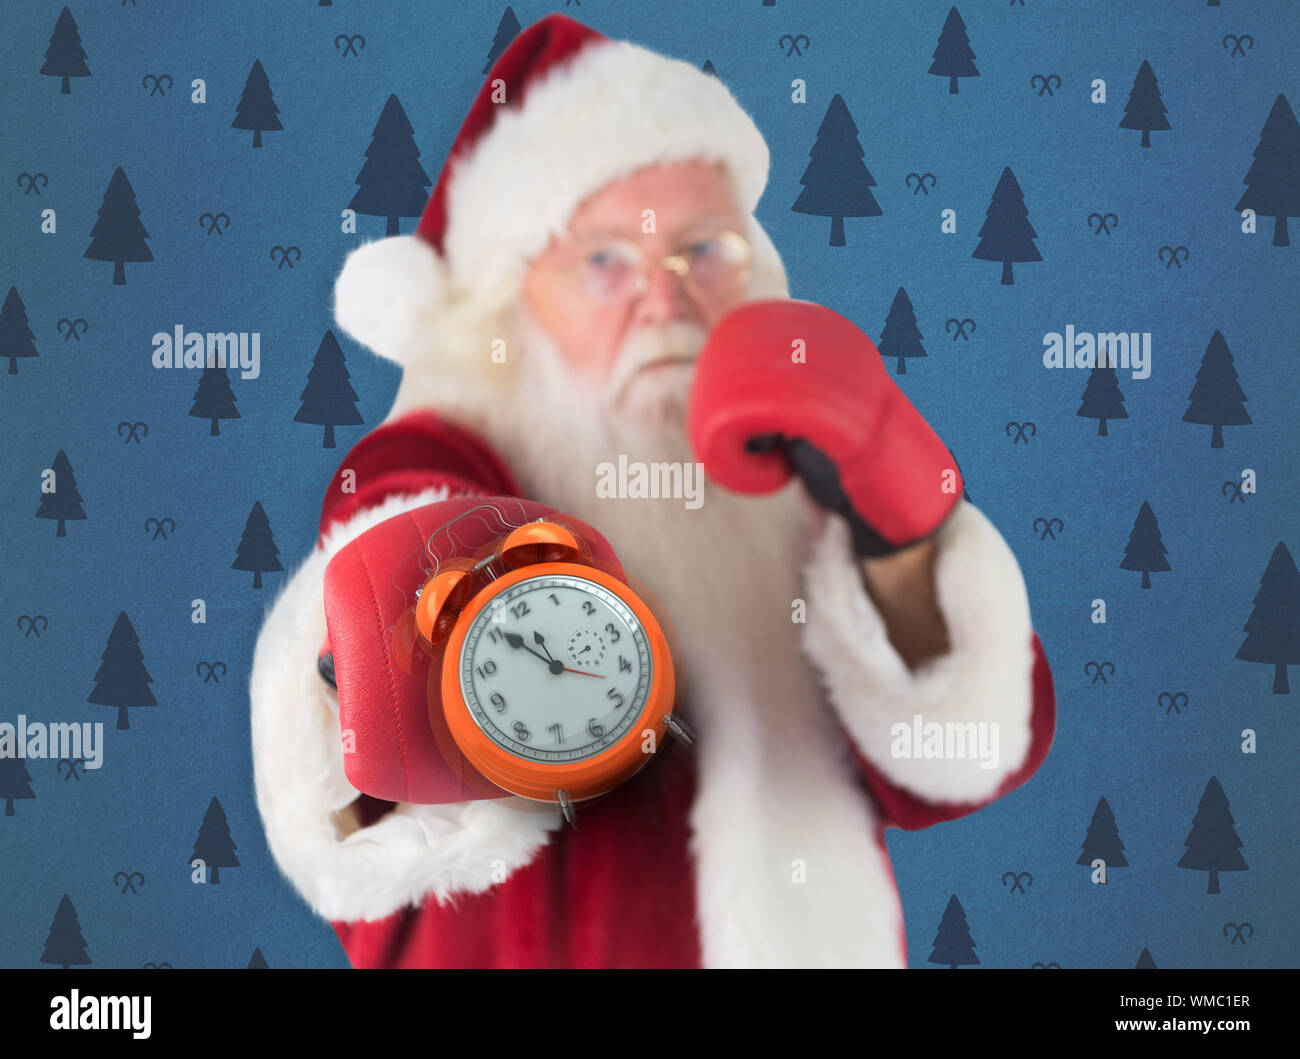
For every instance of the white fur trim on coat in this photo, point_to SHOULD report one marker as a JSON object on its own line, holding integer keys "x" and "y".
{"x": 300, "y": 782}
{"x": 986, "y": 677}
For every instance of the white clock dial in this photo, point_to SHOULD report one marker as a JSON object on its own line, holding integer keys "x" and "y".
{"x": 555, "y": 668}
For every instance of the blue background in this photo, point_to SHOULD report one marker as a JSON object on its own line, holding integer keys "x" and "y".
{"x": 141, "y": 811}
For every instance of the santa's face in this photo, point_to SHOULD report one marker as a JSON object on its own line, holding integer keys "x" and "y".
{"x": 625, "y": 309}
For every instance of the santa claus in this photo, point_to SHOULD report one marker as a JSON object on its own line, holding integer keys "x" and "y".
{"x": 592, "y": 228}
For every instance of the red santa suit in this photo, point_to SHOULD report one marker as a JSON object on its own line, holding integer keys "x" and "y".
{"x": 414, "y": 886}
{"x": 761, "y": 845}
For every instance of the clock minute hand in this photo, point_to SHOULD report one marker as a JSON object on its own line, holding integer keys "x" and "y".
{"x": 560, "y": 667}
{"x": 540, "y": 641}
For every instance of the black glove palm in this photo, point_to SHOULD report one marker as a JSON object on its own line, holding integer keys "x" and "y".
{"x": 822, "y": 480}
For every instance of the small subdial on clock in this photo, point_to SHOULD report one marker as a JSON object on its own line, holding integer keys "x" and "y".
{"x": 586, "y": 647}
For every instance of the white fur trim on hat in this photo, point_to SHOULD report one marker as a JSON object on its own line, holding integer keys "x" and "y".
{"x": 388, "y": 295}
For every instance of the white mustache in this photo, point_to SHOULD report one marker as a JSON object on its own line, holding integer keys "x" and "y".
{"x": 677, "y": 340}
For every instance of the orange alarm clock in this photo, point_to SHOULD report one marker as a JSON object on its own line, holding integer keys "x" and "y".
{"x": 557, "y": 680}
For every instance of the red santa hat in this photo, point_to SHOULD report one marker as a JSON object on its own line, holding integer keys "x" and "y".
{"x": 563, "y": 111}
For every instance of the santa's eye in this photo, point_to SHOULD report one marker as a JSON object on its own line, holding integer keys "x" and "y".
{"x": 610, "y": 257}
{"x": 610, "y": 271}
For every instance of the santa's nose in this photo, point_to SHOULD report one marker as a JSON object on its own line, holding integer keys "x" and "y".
{"x": 663, "y": 300}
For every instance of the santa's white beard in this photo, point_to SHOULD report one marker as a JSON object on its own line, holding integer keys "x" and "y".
{"x": 724, "y": 573}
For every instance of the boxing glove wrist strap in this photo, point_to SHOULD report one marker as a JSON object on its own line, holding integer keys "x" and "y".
{"x": 822, "y": 480}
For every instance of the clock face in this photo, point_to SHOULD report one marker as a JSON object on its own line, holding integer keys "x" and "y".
{"x": 555, "y": 668}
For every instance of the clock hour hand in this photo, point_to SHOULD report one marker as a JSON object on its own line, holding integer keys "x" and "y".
{"x": 517, "y": 641}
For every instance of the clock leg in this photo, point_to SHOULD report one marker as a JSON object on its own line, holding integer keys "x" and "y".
{"x": 679, "y": 729}
{"x": 566, "y": 807}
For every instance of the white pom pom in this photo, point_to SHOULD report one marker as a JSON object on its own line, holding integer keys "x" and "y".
{"x": 389, "y": 295}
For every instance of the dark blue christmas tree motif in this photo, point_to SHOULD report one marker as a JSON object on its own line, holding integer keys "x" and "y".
{"x": 1102, "y": 839}
{"x": 392, "y": 183}
{"x": 15, "y": 781}
{"x": 65, "y": 946}
{"x": 1273, "y": 180}
{"x": 16, "y": 338}
{"x": 257, "y": 962}
{"x": 1007, "y": 235}
{"x": 507, "y": 30}
{"x": 1212, "y": 844}
{"x": 1216, "y": 399}
{"x": 214, "y": 399}
{"x": 118, "y": 236}
{"x": 257, "y": 110}
{"x": 63, "y": 503}
{"x": 1273, "y": 627}
{"x": 1145, "y": 962}
{"x": 953, "y": 945}
{"x": 328, "y": 399}
{"x": 1145, "y": 110}
{"x": 122, "y": 680}
{"x": 65, "y": 57}
{"x": 837, "y": 182}
{"x": 214, "y": 846}
{"x": 953, "y": 58}
{"x": 1102, "y": 399}
{"x": 257, "y": 551}
{"x": 900, "y": 337}
{"x": 1145, "y": 550}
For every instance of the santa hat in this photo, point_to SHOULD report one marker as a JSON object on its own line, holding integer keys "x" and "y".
{"x": 563, "y": 112}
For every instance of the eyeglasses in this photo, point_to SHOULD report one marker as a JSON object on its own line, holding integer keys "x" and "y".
{"x": 712, "y": 266}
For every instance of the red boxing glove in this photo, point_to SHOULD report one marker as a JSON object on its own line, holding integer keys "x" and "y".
{"x": 786, "y": 386}
{"x": 396, "y": 742}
